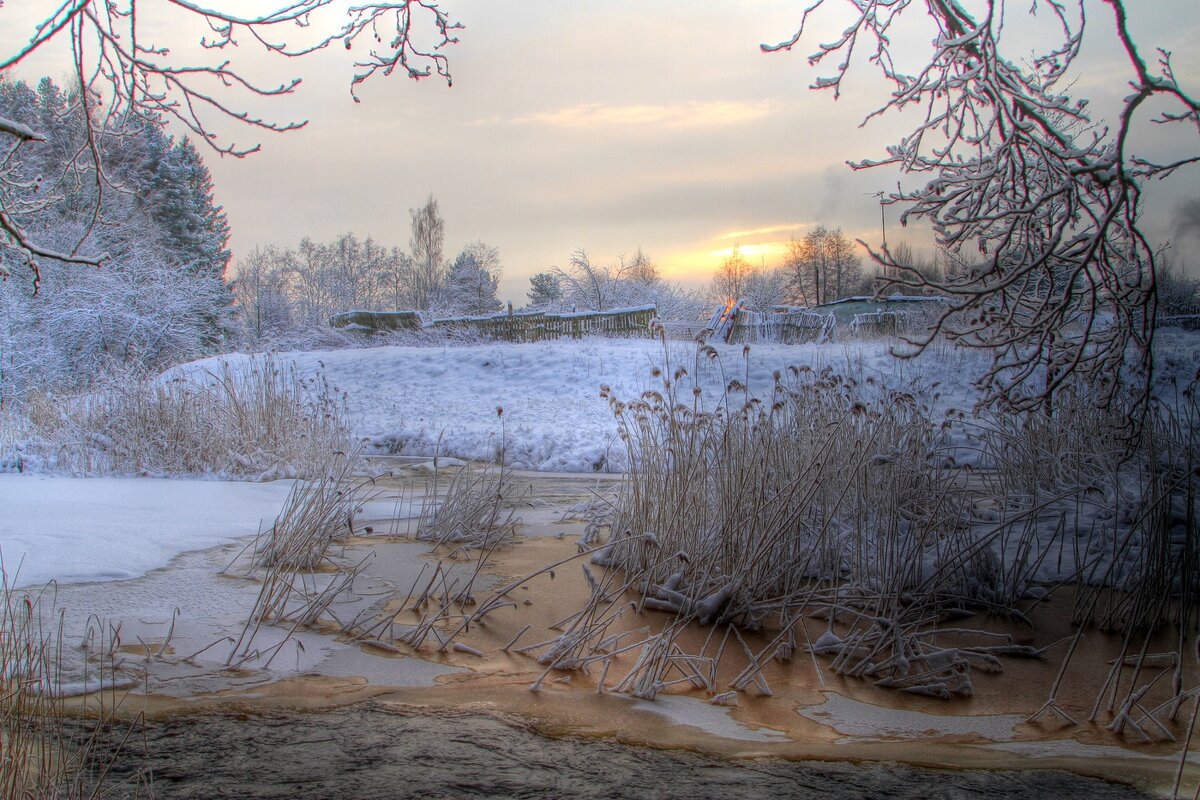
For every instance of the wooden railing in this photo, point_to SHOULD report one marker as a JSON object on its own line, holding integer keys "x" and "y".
{"x": 376, "y": 321}
{"x": 528, "y": 326}
{"x": 793, "y": 326}
{"x": 541, "y": 326}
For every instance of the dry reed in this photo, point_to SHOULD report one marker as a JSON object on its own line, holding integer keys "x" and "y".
{"x": 260, "y": 420}
{"x": 47, "y": 751}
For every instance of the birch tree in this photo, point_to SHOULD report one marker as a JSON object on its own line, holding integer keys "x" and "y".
{"x": 425, "y": 248}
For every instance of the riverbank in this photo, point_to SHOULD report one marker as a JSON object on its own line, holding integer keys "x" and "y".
{"x": 185, "y": 678}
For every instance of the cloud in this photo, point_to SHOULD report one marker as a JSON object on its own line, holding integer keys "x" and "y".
{"x": 752, "y": 251}
{"x": 676, "y": 116}
{"x": 753, "y": 232}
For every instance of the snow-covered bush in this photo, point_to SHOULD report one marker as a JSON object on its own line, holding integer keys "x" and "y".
{"x": 838, "y": 497}
{"x": 589, "y": 286}
{"x": 258, "y": 421}
{"x": 159, "y": 297}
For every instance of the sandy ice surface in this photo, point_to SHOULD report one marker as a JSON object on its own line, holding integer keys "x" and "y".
{"x": 195, "y": 612}
{"x": 86, "y": 529}
{"x": 858, "y": 720}
{"x": 712, "y": 719}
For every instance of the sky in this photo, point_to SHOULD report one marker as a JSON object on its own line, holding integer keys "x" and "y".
{"x": 607, "y": 126}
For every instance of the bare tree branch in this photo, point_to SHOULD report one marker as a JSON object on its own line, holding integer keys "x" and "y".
{"x": 138, "y": 79}
{"x": 1063, "y": 281}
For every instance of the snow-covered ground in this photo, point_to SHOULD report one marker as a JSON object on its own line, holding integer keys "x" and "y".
{"x": 87, "y": 529}
{"x": 424, "y": 400}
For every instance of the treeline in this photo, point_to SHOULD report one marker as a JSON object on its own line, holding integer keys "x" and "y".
{"x": 588, "y": 285}
{"x": 820, "y": 267}
{"x": 286, "y": 293}
{"x": 160, "y": 295}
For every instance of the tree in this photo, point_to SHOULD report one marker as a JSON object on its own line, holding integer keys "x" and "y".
{"x": 283, "y": 292}
{"x": 262, "y": 294}
{"x": 193, "y": 226}
{"x": 124, "y": 79}
{"x": 1019, "y": 173}
{"x": 473, "y": 280}
{"x": 640, "y": 269}
{"x": 192, "y": 229}
{"x": 587, "y": 286}
{"x": 425, "y": 246}
{"x": 844, "y": 265}
{"x": 545, "y": 291}
{"x": 822, "y": 267}
{"x": 397, "y": 280}
{"x": 730, "y": 281}
{"x": 765, "y": 289}
{"x": 1177, "y": 293}
{"x": 161, "y": 297}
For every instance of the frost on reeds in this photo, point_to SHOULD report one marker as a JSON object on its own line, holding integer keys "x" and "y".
{"x": 477, "y": 509}
{"x": 826, "y": 497}
{"x": 258, "y": 420}
{"x": 286, "y": 558}
{"x": 46, "y": 749}
{"x": 474, "y": 515}
{"x": 839, "y": 498}
{"x": 1130, "y": 509}
{"x": 317, "y": 511}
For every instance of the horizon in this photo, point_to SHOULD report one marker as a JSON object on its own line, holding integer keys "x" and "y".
{"x": 683, "y": 141}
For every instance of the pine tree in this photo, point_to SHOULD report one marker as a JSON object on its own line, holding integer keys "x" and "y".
{"x": 473, "y": 280}
{"x": 545, "y": 291}
{"x": 195, "y": 228}
{"x": 160, "y": 297}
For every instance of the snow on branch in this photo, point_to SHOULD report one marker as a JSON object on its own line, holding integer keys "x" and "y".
{"x": 20, "y": 132}
{"x": 125, "y": 78}
{"x": 1038, "y": 202}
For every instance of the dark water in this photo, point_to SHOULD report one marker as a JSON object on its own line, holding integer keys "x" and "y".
{"x": 365, "y": 752}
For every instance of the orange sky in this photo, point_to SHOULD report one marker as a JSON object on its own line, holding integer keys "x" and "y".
{"x": 604, "y": 126}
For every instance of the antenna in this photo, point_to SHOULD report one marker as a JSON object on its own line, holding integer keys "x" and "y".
{"x": 882, "y": 219}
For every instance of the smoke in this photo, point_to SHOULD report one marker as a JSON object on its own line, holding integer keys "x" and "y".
{"x": 835, "y": 192}
{"x": 1187, "y": 221}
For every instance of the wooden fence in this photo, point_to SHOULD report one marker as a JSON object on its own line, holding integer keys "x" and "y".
{"x": 880, "y": 323}
{"x": 376, "y": 321}
{"x": 540, "y": 326}
{"x": 794, "y": 326}
{"x": 514, "y": 326}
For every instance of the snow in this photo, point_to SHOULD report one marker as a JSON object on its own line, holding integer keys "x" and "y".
{"x": 89, "y": 529}
{"x": 426, "y": 401}
{"x": 715, "y": 720}
{"x": 422, "y": 401}
{"x": 857, "y": 720}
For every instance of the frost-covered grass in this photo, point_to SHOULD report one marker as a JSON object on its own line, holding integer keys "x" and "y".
{"x": 258, "y": 419}
{"x": 412, "y": 400}
{"x": 46, "y": 751}
{"x": 476, "y": 511}
{"x": 840, "y": 494}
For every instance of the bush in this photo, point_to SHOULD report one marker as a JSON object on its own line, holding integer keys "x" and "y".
{"x": 258, "y": 420}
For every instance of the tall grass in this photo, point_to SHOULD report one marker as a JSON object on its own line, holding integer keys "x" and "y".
{"x": 477, "y": 510}
{"x": 45, "y": 750}
{"x": 257, "y": 420}
{"x": 838, "y": 497}
{"x": 286, "y": 557}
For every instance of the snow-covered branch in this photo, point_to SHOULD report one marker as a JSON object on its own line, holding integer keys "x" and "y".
{"x": 1040, "y": 202}
{"x": 125, "y": 79}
